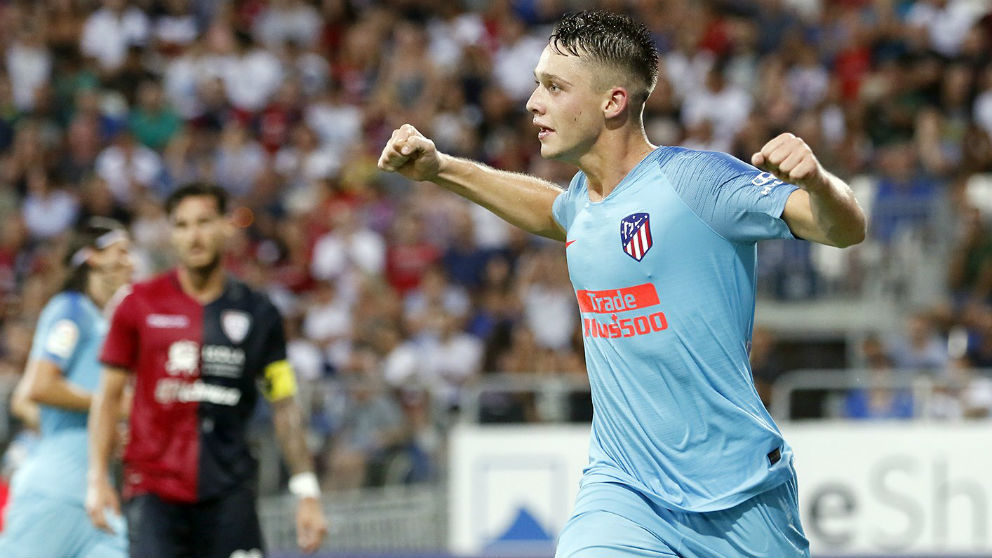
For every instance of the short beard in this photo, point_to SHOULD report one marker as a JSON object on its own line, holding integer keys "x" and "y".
{"x": 206, "y": 269}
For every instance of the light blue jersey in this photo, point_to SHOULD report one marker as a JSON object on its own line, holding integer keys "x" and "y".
{"x": 70, "y": 333}
{"x": 664, "y": 273}
{"x": 46, "y": 516}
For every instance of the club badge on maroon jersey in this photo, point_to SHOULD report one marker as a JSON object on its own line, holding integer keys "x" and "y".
{"x": 235, "y": 325}
{"x": 635, "y": 235}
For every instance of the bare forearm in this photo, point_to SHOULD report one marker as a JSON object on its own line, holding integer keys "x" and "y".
{"x": 292, "y": 436}
{"x": 102, "y": 423}
{"x": 837, "y": 213}
{"x": 60, "y": 393}
{"x": 825, "y": 209}
{"x": 521, "y": 200}
{"x": 44, "y": 383}
{"x": 23, "y": 408}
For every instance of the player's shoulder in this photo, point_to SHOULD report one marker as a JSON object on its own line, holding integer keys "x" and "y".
{"x": 64, "y": 304}
{"x": 242, "y": 295}
{"x": 576, "y": 185}
{"x": 153, "y": 286}
{"x": 703, "y": 161}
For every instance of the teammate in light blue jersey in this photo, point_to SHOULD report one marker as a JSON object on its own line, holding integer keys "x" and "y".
{"x": 46, "y": 516}
{"x": 661, "y": 249}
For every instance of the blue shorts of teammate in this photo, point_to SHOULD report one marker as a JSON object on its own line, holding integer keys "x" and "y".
{"x": 39, "y": 526}
{"x": 612, "y": 520}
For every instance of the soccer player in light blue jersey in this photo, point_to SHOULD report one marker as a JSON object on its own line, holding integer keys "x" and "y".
{"x": 661, "y": 245}
{"x": 46, "y": 516}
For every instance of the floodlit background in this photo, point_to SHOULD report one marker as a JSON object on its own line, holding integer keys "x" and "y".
{"x": 438, "y": 349}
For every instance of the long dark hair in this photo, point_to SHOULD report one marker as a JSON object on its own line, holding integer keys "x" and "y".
{"x": 91, "y": 235}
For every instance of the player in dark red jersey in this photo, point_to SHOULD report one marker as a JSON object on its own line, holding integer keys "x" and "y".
{"x": 200, "y": 345}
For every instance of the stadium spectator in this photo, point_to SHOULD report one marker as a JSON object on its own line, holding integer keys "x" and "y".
{"x": 765, "y": 365}
{"x": 29, "y": 65}
{"x": 408, "y": 255}
{"x": 919, "y": 349}
{"x": 905, "y": 200}
{"x": 48, "y": 210}
{"x": 327, "y": 321}
{"x": 881, "y": 396}
{"x": 250, "y": 74}
{"x": 152, "y": 122}
{"x": 962, "y": 394}
{"x": 239, "y": 160}
{"x": 372, "y": 426}
{"x": 451, "y": 358}
{"x": 547, "y": 298}
{"x": 129, "y": 169}
{"x": 287, "y": 21}
{"x": 722, "y": 104}
{"x": 969, "y": 273}
{"x": 110, "y": 31}
{"x": 350, "y": 249}
{"x": 175, "y": 27}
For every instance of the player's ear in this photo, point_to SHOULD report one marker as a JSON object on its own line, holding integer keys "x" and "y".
{"x": 616, "y": 103}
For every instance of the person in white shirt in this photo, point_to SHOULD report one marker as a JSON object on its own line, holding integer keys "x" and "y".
{"x": 109, "y": 31}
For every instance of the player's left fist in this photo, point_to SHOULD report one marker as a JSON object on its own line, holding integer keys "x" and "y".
{"x": 790, "y": 160}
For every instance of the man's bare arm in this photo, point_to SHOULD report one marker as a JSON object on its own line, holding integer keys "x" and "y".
{"x": 310, "y": 523}
{"x": 46, "y": 385}
{"x": 825, "y": 209}
{"x": 291, "y": 435}
{"x": 104, "y": 412}
{"x": 22, "y": 407}
{"x": 521, "y": 200}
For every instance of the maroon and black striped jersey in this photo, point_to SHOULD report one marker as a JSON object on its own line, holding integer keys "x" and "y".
{"x": 198, "y": 369}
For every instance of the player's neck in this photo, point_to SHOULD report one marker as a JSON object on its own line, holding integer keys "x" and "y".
{"x": 99, "y": 290}
{"x": 611, "y": 159}
{"x": 202, "y": 285}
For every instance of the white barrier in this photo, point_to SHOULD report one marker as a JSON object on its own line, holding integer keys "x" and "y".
{"x": 865, "y": 488}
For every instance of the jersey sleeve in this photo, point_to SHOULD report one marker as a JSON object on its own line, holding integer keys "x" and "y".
{"x": 59, "y": 332}
{"x": 738, "y": 201}
{"x": 120, "y": 348}
{"x": 563, "y": 210}
{"x": 278, "y": 378}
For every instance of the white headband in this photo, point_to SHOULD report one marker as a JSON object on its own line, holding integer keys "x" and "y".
{"x": 102, "y": 242}
{"x": 80, "y": 257}
{"x": 108, "y": 238}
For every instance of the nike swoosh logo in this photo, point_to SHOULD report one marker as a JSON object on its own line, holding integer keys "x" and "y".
{"x": 569, "y": 243}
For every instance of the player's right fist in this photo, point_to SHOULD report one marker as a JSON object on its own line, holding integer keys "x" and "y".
{"x": 411, "y": 154}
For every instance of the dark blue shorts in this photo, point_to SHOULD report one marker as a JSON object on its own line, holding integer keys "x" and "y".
{"x": 216, "y": 528}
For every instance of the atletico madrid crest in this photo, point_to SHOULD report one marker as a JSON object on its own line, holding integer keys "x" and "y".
{"x": 635, "y": 235}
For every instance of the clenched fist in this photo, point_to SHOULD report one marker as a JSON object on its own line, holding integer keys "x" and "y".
{"x": 411, "y": 154}
{"x": 791, "y": 160}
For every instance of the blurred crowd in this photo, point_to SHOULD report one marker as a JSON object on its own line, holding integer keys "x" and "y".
{"x": 398, "y": 295}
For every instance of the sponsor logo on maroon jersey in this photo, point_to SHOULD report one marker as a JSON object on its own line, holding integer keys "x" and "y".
{"x": 184, "y": 358}
{"x": 167, "y": 321}
{"x": 178, "y": 390}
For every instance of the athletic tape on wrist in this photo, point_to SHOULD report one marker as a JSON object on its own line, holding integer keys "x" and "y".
{"x": 304, "y": 485}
